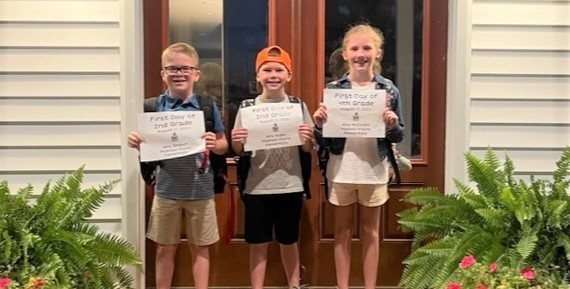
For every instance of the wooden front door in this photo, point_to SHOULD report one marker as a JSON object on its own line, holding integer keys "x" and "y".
{"x": 299, "y": 27}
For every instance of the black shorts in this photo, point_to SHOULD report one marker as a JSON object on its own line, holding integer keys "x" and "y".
{"x": 264, "y": 213}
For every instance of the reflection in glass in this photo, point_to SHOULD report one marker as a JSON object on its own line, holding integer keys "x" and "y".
{"x": 401, "y": 23}
{"x": 227, "y": 36}
{"x": 199, "y": 23}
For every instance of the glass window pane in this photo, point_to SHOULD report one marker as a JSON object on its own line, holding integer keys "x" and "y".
{"x": 245, "y": 33}
{"x": 199, "y": 23}
{"x": 227, "y": 36}
{"x": 401, "y": 23}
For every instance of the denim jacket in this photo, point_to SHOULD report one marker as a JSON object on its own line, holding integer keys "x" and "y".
{"x": 395, "y": 135}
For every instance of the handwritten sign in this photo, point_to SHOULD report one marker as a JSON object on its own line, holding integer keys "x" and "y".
{"x": 354, "y": 113}
{"x": 171, "y": 134}
{"x": 272, "y": 125}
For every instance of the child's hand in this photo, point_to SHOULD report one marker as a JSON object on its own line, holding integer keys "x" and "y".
{"x": 210, "y": 138}
{"x": 306, "y": 132}
{"x": 134, "y": 140}
{"x": 320, "y": 115}
{"x": 390, "y": 118}
{"x": 239, "y": 135}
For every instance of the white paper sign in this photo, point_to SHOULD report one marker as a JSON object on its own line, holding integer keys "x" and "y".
{"x": 272, "y": 125}
{"x": 354, "y": 113}
{"x": 171, "y": 134}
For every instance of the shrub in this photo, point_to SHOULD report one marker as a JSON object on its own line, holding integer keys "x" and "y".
{"x": 49, "y": 243}
{"x": 500, "y": 219}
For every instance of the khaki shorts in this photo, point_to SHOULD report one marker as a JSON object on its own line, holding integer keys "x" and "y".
{"x": 165, "y": 222}
{"x": 341, "y": 194}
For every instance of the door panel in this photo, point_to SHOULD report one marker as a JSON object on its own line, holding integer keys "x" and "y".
{"x": 298, "y": 26}
{"x": 317, "y": 235}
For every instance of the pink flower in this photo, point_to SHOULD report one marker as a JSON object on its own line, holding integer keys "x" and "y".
{"x": 527, "y": 273}
{"x": 453, "y": 285}
{"x": 492, "y": 267}
{"x": 481, "y": 286}
{"x": 5, "y": 282}
{"x": 467, "y": 261}
{"x": 39, "y": 282}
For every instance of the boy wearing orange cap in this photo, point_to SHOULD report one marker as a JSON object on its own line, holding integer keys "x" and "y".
{"x": 273, "y": 180}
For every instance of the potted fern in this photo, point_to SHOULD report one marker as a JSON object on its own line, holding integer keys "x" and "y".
{"x": 48, "y": 243}
{"x": 501, "y": 220}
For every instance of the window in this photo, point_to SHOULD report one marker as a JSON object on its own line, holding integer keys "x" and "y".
{"x": 227, "y": 36}
{"x": 401, "y": 23}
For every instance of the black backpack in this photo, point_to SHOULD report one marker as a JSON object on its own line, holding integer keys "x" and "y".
{"x": 244, "y": 160}
{"x": 217, "y": 162}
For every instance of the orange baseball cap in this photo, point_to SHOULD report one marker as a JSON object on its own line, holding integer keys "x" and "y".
{"x": 273, "y": 54}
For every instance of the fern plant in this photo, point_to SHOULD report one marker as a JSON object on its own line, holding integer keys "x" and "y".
{"x": 49, "y": 243}
{"x": 501, "y": 218}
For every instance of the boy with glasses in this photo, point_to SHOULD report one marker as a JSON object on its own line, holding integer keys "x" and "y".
{"x": 180, "y": 186}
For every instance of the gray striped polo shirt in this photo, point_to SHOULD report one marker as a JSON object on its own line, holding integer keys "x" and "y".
{"x": 180, "y": 178}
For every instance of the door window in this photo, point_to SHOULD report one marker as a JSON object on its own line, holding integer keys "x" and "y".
{"x": 227, "y": 36}
{"x": 401, "y": 23}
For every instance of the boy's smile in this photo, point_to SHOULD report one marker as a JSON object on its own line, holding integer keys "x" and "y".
{"x": 273, "y": 76}
{"x": 180, "y": 73}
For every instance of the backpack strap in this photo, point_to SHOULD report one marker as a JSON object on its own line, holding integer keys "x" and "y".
{"x": 247, "y": 102}
{"x": 387, "y": 143}
{"x": 393, "y": 162}
{"x": 304, "y": 157}
{"x": 206, "y": 102}
{"x": 243, "y": 160}
{"x": 151, "y": 104}
{"x": 217, "y": 162}
{"x": 148, "y": 168}
{"x": 294, "y": 99}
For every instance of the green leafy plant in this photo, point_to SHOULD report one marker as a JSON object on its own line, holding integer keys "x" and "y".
{"x": 49, "y": 243}
{"x": 500, "y": 219}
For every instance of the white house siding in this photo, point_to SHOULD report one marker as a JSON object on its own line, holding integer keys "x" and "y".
{"x": 60, "y": 95}
{"x": 517, "y": 94}
{"x": 71, "y": 81}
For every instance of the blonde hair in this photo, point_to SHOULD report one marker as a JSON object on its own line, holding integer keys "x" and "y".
{"x": 374, "y": 33}
{"x": 180, "y": 47}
